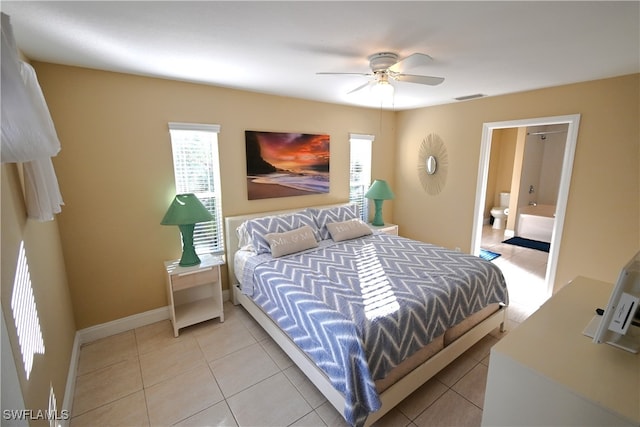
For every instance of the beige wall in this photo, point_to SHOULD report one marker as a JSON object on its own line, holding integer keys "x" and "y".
{"x": 602, "y": 226}
{"x": 50, "y": 291}
{"x": 503, "y": 146}
{"x": 116, "y": 174}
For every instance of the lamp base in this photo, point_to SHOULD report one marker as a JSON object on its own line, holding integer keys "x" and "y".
{"x": 189, "y": 255}
{"x": 189, "y": 258}
{"x": 377, "y": 218}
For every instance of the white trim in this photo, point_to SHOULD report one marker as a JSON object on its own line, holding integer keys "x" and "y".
{"x": 124, "y": 324}
{"x": 563, "y": 196}
{"x": 194, "y": 126}
{"x": 70, "y": 388}
{"x": 573, "y": 122}
{"x": 362, "y": 136}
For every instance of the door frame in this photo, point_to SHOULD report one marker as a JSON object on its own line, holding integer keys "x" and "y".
{"x": 573, "y": 121}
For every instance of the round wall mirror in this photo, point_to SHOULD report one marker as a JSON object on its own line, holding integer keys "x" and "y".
{"x": 432, "y": 165}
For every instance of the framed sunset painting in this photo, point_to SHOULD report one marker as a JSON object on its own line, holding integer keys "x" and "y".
{"x": 283, "y": 164}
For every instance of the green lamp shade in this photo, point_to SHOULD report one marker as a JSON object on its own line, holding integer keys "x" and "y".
{"x": 379, "y": 192}
{"x": 185, "y": 211}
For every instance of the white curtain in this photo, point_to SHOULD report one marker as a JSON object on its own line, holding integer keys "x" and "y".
{"x": 28, "y": 133}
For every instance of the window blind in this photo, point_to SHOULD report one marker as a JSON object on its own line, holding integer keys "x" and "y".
{"x": 196, "y": 168}
{"x": 360, "y": 171}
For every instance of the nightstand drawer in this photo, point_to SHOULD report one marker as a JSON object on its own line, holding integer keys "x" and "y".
{"x": 195, "y": 278}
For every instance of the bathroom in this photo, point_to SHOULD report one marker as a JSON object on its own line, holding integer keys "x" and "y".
{"x": 526, "y": 163}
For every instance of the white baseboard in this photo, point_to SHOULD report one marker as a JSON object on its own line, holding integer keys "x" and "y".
{"x": 70, "y": 389}
{"x": 124, "y": 324}
{"x": 104, "y": 330}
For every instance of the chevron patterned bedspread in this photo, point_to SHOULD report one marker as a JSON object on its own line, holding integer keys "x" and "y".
{"x": 360, "y": 307}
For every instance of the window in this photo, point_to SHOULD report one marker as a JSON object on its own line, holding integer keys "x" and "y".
{"x": 25, "y": 313}
{"x": 360, "y": 171}
{"x": 197, "y": 170}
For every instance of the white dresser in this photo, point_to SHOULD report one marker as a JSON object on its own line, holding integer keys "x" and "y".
{"x": 547, "y": 373}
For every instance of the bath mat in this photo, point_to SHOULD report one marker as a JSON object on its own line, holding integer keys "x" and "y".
{"x": 488, "y": 255}
{"x": 528, "y": 243}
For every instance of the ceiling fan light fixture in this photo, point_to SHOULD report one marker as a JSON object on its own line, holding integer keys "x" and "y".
{"x": 383, "y": 90}
{"x": 385, "y": 67}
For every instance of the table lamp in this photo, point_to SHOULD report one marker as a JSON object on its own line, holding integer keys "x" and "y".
{"x": 379, "y": 192}
{"x": 185, "y": 211}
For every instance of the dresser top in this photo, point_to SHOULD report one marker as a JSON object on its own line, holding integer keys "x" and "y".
{"x": 551, "y": 343}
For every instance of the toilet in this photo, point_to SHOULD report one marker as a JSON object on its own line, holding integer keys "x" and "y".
{"x": 499, "y": 213}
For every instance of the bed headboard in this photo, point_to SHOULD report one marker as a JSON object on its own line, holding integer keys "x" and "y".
{"x": 231, "y": 223}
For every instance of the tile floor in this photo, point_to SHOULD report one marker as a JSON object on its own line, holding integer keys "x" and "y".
{"x": 524, "y": 269}
{"x": 233, "y": 374}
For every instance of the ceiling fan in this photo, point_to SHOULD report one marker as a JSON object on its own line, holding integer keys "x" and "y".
{"x": 385, "y": 67}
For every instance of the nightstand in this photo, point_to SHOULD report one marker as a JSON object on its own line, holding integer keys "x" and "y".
{"x": 194, "y": 293}
{"x": 387, "y": 228}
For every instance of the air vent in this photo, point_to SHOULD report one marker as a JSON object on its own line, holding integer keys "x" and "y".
{"x": 468, "y": 97}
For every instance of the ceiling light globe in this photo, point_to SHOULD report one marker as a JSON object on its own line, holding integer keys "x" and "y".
{"x": 383, "y": 91}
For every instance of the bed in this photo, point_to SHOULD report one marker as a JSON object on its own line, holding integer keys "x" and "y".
{"x": 368, "y": 317}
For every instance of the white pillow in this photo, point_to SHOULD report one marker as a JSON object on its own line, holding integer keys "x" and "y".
{"x": 292, "y": 241}
{"x": 346, "y": 230}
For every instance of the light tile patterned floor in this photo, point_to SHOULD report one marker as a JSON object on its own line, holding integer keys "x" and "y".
{"x": 233, "y": 374}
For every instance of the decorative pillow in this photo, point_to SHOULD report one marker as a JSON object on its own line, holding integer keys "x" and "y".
{"x": 292, "y": 241}
{"x": 259, "y": 228}
{"x": 337, "y": 214}
{"x": 350, "y": 229}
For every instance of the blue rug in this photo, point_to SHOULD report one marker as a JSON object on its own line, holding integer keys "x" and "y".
{"x": 488, "y": 255}
{"x": 528, "y": 243}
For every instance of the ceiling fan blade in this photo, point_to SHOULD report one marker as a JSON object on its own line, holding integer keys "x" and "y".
{"x": 423, "y": 80}
{"x": 359, "y": 88}
{"x": 411, "y": 61}
{"x": 343, "y": 74}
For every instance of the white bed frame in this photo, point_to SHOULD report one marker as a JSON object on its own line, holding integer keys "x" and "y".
{"x": 392, "y": 395}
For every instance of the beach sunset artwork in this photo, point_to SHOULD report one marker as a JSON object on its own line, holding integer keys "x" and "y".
{"x": 281, "y": 164}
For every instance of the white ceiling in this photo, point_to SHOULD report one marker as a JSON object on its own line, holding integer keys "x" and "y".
{"x": 489, "y": 48}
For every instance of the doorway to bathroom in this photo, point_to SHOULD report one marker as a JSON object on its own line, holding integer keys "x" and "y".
{"x": 523, "y": 177}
